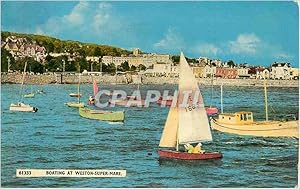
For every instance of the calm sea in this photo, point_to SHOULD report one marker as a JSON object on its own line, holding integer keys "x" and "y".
{"x": 57, "y": 137}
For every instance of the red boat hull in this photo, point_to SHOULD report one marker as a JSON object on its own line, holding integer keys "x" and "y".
{"x": 188, "y": 156}
{"x": 211, "y": 110}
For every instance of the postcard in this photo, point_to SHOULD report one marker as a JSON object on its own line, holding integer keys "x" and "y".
{"x": 156, "y": 94}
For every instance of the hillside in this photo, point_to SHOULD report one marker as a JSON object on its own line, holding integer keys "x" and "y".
{"x": 56, "y": 45}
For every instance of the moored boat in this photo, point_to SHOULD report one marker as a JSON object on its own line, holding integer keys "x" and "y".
{"x": 75, "y": 95}
{"x": 21, "y": 107}
{"x": 211, "y": 111}
{"x": 186, "y": 125}
{"x": 128, "y": 102}
{"x": 117, "y": 116}
{"x": 29, "y": 95}
{"x": 241, "y": 123}
{"x": 75, "y": 104}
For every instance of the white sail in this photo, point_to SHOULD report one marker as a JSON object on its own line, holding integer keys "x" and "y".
{"x": 193, "y": 122}
{"x": 169, "y": 135}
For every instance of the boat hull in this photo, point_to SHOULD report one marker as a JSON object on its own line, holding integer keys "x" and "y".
{"x": 75, "y": 95}
{"x": 128, "y": 103}
{"x": 22, "y": 108}
{"x": 188, "y": 156}
{"x": 211, "y": 111}
{"x": 31, "y": 95}
{"x": 260, "y": 129}
{"x": 75, "y": 104}
{"x": 118, "y": 116}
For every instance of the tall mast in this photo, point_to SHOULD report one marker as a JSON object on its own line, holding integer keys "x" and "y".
{"x": 30, "y": 85}
{"x": 78, "y": 89}
{"x": 221, "y": 97}
{"x": 116, "y": 72}
{"x": 212, "y": 86}
{"x": 21, "y": 90}
{"x": 266, "y": 95}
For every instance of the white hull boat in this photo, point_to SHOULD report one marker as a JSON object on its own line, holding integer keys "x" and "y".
{"x": 20, "y": 107}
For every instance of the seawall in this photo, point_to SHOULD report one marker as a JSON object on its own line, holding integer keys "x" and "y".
{"x": 128, "y": 79}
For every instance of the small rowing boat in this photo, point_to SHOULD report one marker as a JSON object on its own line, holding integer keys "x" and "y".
{"x": 117, "y": 116}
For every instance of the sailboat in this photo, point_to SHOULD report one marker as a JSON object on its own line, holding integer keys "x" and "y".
{"x": 92, "y": 100}
{"x": 242, "y": 123}
{"x": 113, "y": 116}
{"x": 117, "y": 116}
{"x": 31, "y": 94}
{"x": 210, "y": 110}
{"x": 185, "y": 125}
{"x": 21, "y": 107}
{"x": 77, "y": 104}
{"x": 131, "y": 101}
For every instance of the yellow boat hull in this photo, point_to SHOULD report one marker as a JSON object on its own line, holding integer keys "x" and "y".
{"x": 75, "y": 104}
{"x": 261, "y": 129}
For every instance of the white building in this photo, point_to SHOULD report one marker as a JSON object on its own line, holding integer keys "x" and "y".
{"x": 92, "y": 58}
{"x": 262, "y": 72}
{"x": 242, "y": 72}
{"x": 59, "y": 54}
{"x": 280, "y": 70}
{"x": 217, "y": 62}
{"x": 145, "y": 59}
{"x": 203, "y": 60}
{"x": 295, "y": 73}
{"x": 163, "y": 70}
{"x": 208, "y": 71}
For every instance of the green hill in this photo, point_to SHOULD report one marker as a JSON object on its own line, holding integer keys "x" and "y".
{"x": 56, "y": 45}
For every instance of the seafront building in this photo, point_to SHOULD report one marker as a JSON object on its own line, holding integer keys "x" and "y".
{"x": 280, "y": 70}
{"x": 136, "y": 59}
{"x": 163, "y": 70}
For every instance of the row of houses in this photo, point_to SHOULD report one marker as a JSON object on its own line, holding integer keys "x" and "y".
{"x": 20, "y": 48}
{"x": 282, "y": 71}
{"x": 159, "y": 64}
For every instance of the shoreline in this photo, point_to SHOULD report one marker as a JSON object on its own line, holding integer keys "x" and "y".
{"x": 14, "y": 78}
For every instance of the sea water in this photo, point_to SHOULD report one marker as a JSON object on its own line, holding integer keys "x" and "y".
{"x": 56, "y": 137}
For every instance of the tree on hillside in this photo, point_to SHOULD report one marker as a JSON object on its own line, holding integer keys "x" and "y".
{"x": 54, "y": 65}
{"x": 97, "y": 52}
{"x": 84, "y": 65}
{"x": 230, "y": 63}
{"x": 4, "y": 60}
{"x": 34, "y": 66}
{"x": 109, "y": 68}
{"x": 125, "y": 66}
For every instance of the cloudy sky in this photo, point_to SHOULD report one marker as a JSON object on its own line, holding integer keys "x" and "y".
{"x": 258, "y": 33}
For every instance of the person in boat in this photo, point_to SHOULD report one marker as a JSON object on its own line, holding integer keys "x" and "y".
{"x": 91, "y": 100}
{"x": 189, "y": 148}
{"x": 198, "y": 149}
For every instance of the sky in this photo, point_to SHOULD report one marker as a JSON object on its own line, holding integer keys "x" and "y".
{"x": 257, "y": 33}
